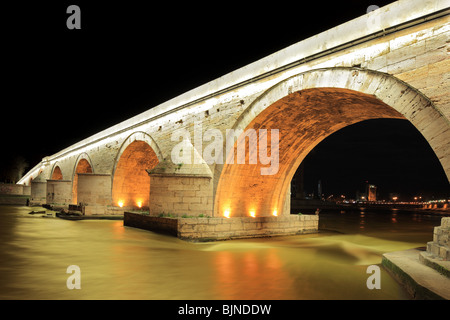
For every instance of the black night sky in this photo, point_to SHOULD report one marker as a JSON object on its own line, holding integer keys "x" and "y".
{"x": 61, "y": 85}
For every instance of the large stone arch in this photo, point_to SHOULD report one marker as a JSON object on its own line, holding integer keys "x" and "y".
{"x": 307, "y": 108}
{"x": 138, "y": 153}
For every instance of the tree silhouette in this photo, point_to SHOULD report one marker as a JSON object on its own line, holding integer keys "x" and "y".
{"x": 14, "y": 169}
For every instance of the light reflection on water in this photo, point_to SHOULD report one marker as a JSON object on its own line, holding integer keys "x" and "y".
{"x": 125, "y": 263}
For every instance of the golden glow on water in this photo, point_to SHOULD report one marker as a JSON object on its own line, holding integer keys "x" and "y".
{"x": 119, "y": 262}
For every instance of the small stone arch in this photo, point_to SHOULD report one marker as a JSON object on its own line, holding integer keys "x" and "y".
{"x": 130, "y": 183}
{"x": 83, "y": 164}
{"x": 56, "y": 173}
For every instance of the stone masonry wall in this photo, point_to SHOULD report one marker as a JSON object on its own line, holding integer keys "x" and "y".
{"x": 245, "y": 227}
{"x": 417, "y": 55}
{"x": 440, "y": 246}
{"x": 59, "y": 192}
{"x": 180, "y": 195}
{"x": 12, "y": 189}
{"x": 208, "y": 229}
{"x": 94, "y": 189}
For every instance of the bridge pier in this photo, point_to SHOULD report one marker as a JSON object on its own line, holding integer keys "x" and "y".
{"x": 38, "y": 192}
{"x": 181, "y": 194}
{"x": 94, "y": 192}
{"x": 59, "y": 192}
{"x": 216, "y": 228}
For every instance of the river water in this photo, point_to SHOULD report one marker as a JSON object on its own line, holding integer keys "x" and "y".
{"x": 118, "y": 262}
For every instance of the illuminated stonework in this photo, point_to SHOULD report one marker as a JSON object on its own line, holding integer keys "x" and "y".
{"x": 57, "y": 174}
{"x": 131, "y": 183}
{"x": 83, "y": 166}
{"x": 304, "y": 118}
{"x": 397, "y": 68}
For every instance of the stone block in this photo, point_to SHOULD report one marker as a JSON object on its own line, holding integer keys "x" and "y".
{"x": 222, "y": 227}
{"x": 191, "y": 200}
{"x": 437, "y": 42}
{"x": 181, "y": 207}
{"x": 94, "y": 209}
{"x": 406, "y": 52}
{"x": 401, "y": 66}
{"x": 435, "y": 249}
{"x": 431, "y": 57}
{"x": 185, "y": 228}
{"x": 429, "y": 244}
{"x": 236, "y": 224}
{"x": 197, "y": 207}
{"x": 445, "y": 222}
{"x": 200, "y": 227}
{"x": 185, "y": 193}
{"x": 442, "y": 238}
{"x": 444, "y": 253}
{"x": 249, "y": 225}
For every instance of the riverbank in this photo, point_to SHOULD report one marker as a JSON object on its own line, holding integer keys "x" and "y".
{"x": 310, "y": 206}
{"x": 62, "y": 214}
{"x": 420, "y": 280}
{"x": 14, "y": 199}
{"x": 67, "y": 216}
{"x": 425, "y": 274}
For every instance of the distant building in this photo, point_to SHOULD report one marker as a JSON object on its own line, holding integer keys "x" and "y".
{"x": 371, "y": 192}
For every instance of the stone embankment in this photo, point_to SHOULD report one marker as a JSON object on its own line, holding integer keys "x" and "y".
{"x": 425, "y": 274}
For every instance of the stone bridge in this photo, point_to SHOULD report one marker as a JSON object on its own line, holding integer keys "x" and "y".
{"x": 390, "y": 63}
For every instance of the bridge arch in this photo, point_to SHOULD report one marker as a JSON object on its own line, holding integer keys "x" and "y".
{"x": 308, "y": 107}
{"x": 56, "y": 172}
{"x": 130, "y": 180}
{"x": 83, "y": 164}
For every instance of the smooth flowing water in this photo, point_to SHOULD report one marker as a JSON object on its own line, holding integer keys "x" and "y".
{"x": 118, "y": 262}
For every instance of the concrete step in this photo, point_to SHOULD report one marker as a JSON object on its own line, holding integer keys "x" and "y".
{"x": 441, "y": 236}
{"x": 421, "y": 281}
{"x": 443, "y": 267}
{"x": 438, "y": 251}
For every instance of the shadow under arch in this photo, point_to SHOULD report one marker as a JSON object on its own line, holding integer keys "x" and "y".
{"x": 308, "y": 107}
{"x": 130, "y": 181}
{"x": 83, "y": 164}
